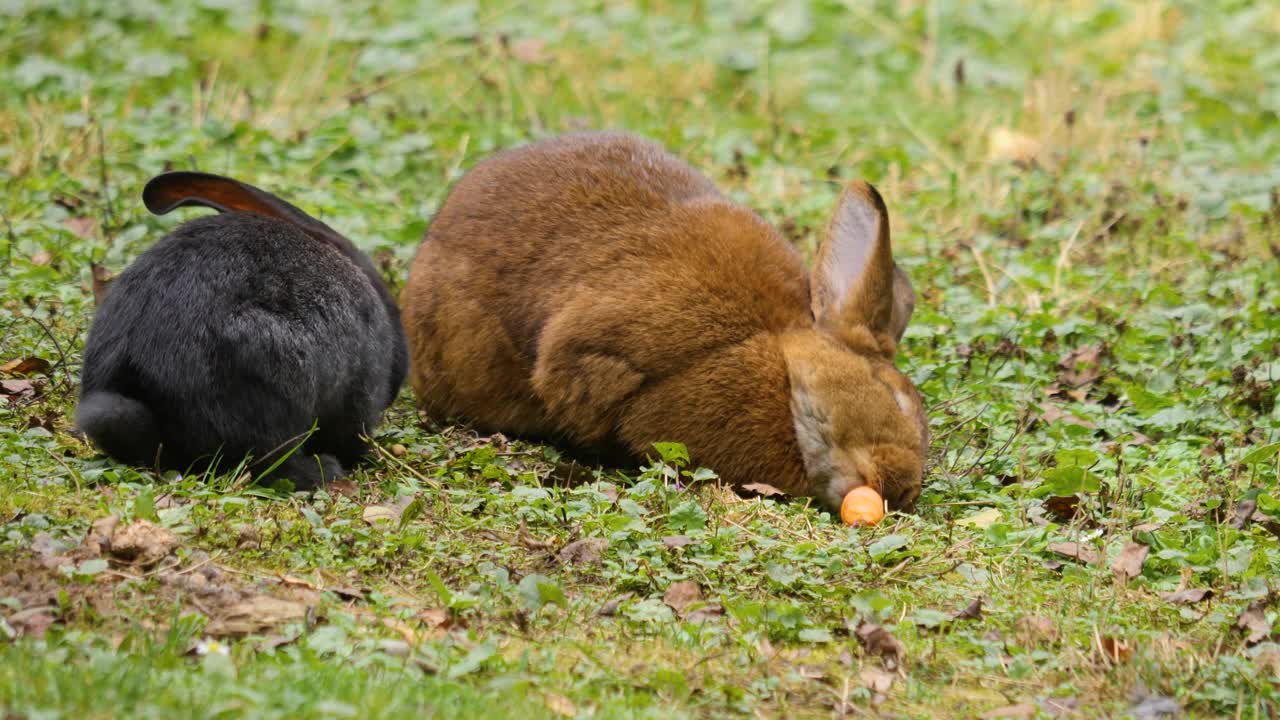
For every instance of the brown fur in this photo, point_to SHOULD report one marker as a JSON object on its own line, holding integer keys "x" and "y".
{"x": 596, "y": 289}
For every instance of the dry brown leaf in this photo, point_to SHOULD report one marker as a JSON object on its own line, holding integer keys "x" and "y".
{"x": 32, "y": 622}
{"x": 1081, "y": 367}
{"x": 344, "y": 487}
{"x": 704, "y": 612}
{"x": 142, "y": 543}
{"x": 878, "y": 641}
{"x": 374, "y": 514}
{"x": 586, "y": 551}
{"x": 1051, "y": 413}
{"x": 530, "y": 50}
{"x": 672, "y": 542}
{"x": 254, "y": 615}
{"x": 682, "y": 594}
{"x": 1008, "y": 145}
{"x": 1254, "y": 621}
{"x": 98, "y": 539}
{"x": 101, "y": 278}
{"x": 610, "y": 608}
{"x": 1012, "y": 712}
{"x": 435, "y": 617}
{"x": 17, "y": 389}
{"x": 82, "y": 226}
{"x": 559, "y": 704}
{"x": 875, "y": 679}
{"x": 1115, "y": 650}
{"x": 1128, "y": 565}
{"x": 763, "y": 490}
{"x": 1038, "y": 628}
{"x": 1075, "y": 551}
{"x": 25, "y": 366}
{"x": 1063, "y": 508}
{"x": 972, "y": 611}
{"x": 1190, "y": 596}
{"x": 529, "y": 542}
{"x": 609, "y": 490}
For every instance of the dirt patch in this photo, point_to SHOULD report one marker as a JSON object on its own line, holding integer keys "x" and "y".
{"x": 133, "y": 572}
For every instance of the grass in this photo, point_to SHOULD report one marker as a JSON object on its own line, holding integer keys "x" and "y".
{"x": 1084, "y": 193}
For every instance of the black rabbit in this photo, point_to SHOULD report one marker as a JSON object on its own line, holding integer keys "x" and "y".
{"x": 238, "y": 333}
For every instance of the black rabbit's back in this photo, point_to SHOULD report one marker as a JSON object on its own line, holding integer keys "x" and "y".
{"x": 238, "y": 331}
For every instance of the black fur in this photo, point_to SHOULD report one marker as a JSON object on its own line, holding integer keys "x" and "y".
{"x": 233, "y": 336}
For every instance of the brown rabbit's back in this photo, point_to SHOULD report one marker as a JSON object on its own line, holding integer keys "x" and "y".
{"x": 607, "y": 245}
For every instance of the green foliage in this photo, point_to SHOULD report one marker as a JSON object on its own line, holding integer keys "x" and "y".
{"x": 1096, "y": 337}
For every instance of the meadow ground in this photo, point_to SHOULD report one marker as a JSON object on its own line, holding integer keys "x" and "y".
{"x": 1084, "y": 193}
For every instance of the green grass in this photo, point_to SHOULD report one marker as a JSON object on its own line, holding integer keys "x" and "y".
{"x": 1099, "y": 320}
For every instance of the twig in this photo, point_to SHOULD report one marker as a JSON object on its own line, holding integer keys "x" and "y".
{"x": 404, "y": 466}
{"x": 62, "y": 357}
{"x": 8, "y": 248}
{"x": 105, "y": 180}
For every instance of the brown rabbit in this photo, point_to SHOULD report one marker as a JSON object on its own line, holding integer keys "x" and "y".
{"x": 595, "y": 289}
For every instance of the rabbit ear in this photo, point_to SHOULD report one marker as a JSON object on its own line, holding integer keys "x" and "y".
{"x": 176, "y": 189}
{"x": 855, "y": 282}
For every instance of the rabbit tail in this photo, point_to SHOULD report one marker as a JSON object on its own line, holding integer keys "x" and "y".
{"x": 120, "y": 426}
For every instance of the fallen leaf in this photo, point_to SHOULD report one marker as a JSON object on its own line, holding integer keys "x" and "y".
{"x": 1012, "y": 712}
{"x": 1038, "y": 628}
{"x": 1242, "y": 513}
{"x": 435, "y": 617}
{"x": 98, "y": 539}
{"x": 1189, "y": 596}
{"x": 25, "y": 366}
{"x": 583, "y": 552}
{"x": 41, "y": 258}
{"x": 1080, "y": 367}
{"x": 254, "y": 615}
{"x": 1114, "y": 649}
{"x": 1008, "y": 145}
{"x": 1058, "y": 706}
{"x": 875, "y": 679}
{"x": 982, "y": 520}
{"x": 972, "y": 611}
{"x": 32, "y": 622}
{"x": 1254, "y": 621}
{"x": 374, "y": 514}
{"x": 682, "y": 594}
{"x": 529, "y": 542}
{"x": 676, "y": 541}
{"x": 1128, "y": 565}
{"x": 344, "y": 487}
{"x": 1075, "y": 551}
{"x": 17, "y": 390}
{"x": 763, "y": 490}
{"x": 342, "y": 592}
{"x": 395, "y": 648}
{"x": 876, "y": 640}
{"x": 704, "y": 612}
{"x": 1055, "y": 390}
{"x": 1051, "y": 413}
{"x": 559, "y": 704}
{"x": 142, "y": 543}
{"x": 609, "y": 490}
{"x": 610, "y": 608}
{"x": 529, "y": 50}
{"x": 1063, "y": 508}
{"x": 82, "y": 226}
{"x": 101, "y": 278}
